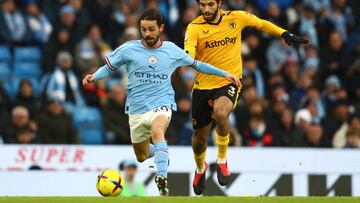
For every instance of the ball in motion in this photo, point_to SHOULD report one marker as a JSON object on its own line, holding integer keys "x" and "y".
{"x": 109, "y": 183}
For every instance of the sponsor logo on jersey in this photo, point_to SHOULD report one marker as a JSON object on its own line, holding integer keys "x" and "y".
{"x": 205, "y": 31}
{"x": 223, "y": 42}
{"x": 147, "y": 75}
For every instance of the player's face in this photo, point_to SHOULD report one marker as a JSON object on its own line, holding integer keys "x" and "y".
{"x": 150, "y": 31}
{"x": 209, "y": 9}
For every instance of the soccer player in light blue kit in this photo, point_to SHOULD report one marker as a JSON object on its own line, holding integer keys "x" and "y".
{"x": 150, "y": 100}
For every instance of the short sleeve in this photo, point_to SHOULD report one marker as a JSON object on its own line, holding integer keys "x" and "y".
{"x": 116, "y": 58}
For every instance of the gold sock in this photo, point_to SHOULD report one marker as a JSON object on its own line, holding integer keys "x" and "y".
{"x": 222, "y": 143}
{"x": 200, "y": 159}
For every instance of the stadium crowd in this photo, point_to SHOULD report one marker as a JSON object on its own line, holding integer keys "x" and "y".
{"x": 306, "y": 96}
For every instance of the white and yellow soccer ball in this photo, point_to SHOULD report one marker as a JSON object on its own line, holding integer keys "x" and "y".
{"x": 110, "y": 183}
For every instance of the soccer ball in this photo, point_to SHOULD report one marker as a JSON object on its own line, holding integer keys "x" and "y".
{"x": 110, "y": 183}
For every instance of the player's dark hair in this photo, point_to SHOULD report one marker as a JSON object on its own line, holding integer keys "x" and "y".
{"x": 152, "y": 14}
{"x": 198, "y": 1}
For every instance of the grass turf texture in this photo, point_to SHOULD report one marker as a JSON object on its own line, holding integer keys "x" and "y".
{"x": 180, "y": 199}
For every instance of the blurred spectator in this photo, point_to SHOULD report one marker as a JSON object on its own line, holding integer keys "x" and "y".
{"x": 335, "y": 59}
{"x": 242, "y": 110}
{"x": 59, "y": 43}
{"x": 252, "y": 72}
{"x": 68, "y": 21}
{"x": 13, "y": 24}
{"x": 39, "y": 24}
{"x": 82, "y": 17}
{"x": 340, "y": 136}
{"x": 25, "y": 135}
{"x": 55, "y": 125}
{"x": 19, "y": 119}
{"x": 274, "y": 14}
{"x": 64, "y": 84}
{"x": 101, "y": 13}
{"x": 132, "y": 187}
{"x": 307, "y": 24}
{"x": 311, "y": 61}
{"x": 26, "y": 97}
{"x": 258, "y": 133}
{"x": 308, "y": 113}
{"x": 116, "y": 122}
{"x": 288, "y": 133}
{"x": 336, "y": 118}
{"x": 331, "y": 86}
{"x": 303, "y": 83}
{"x": 277, "y": 54}
{"x": 91, "y": 50}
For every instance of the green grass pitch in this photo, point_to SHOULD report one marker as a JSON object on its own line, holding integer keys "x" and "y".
{"x": 180, "y": 199}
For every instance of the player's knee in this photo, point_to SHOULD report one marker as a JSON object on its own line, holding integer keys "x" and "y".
{"x": 157, "y": 134}
{"x": 220, "y": 114}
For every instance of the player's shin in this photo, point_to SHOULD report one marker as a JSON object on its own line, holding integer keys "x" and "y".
{"x": 161, "y": 157}
{"x": 222, "y": 143}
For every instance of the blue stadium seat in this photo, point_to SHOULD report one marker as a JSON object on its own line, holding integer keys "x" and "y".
{"x": 88, "y": 122}
{"x": 27, "y": 54}
{"x": 9, "y": 89}
{"x": 5, "y": 55}
{"x": 5, "y": 72}
{"x": 34, "y": 82}
{"x": 27, "y": 69}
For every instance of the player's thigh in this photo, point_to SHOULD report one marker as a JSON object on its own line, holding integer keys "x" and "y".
{"x": 159, "y": 121}
{"x": 201, "y": 108}
{"x": 141, "y": 150}
{"x": 225, "y": 100}
{"x": 139, "y": 130}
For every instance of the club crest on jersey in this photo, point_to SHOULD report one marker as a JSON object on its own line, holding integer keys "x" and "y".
{"x": 232, "y": 24}
{"x": 152, "y": 60}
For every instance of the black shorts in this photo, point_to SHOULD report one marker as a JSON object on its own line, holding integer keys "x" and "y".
{"x": 202, "y": 103}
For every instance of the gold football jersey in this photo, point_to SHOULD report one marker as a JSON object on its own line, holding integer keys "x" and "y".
{"x": 219, "y": 43}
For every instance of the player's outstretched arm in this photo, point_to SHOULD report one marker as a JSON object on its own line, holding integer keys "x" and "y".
{"x": 291, "y": 39}
{"x": 211, "y": 70}
{"x": 101, "y": 73}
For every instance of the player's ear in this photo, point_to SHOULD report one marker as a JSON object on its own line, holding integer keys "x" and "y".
{"x": 161, "y": 28}
{"x": 220, "y": 2}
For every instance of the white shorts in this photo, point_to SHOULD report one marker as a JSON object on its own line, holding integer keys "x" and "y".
{"x": 140, "y": 124}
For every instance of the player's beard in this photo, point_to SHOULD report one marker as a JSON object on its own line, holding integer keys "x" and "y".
{"x": 151, "y": 41}
{"x": 211, "y": 17}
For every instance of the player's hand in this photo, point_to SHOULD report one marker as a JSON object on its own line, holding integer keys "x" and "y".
{"x": 234, "y": 79}
{"x": 291, "y": 39}
{"x": 88, "y": 79}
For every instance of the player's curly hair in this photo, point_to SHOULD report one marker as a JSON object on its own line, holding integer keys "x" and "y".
{"x": 152, "y": 14}
{"x": 217, "y": 1}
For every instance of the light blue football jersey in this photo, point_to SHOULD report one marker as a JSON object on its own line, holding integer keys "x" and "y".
{"x": 149, "y": 73}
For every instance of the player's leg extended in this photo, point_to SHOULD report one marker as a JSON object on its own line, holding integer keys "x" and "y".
{"x": 142, "y": 150}
{"x": 140, "y": 138}
{"x": 199, "y": 145}
{"x": 201, "y": 120}
{"x": 222, "y": 108}
{"x": 158, "y": 129}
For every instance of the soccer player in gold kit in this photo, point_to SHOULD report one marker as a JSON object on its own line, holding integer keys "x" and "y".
{"x": 215, "y": 38}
